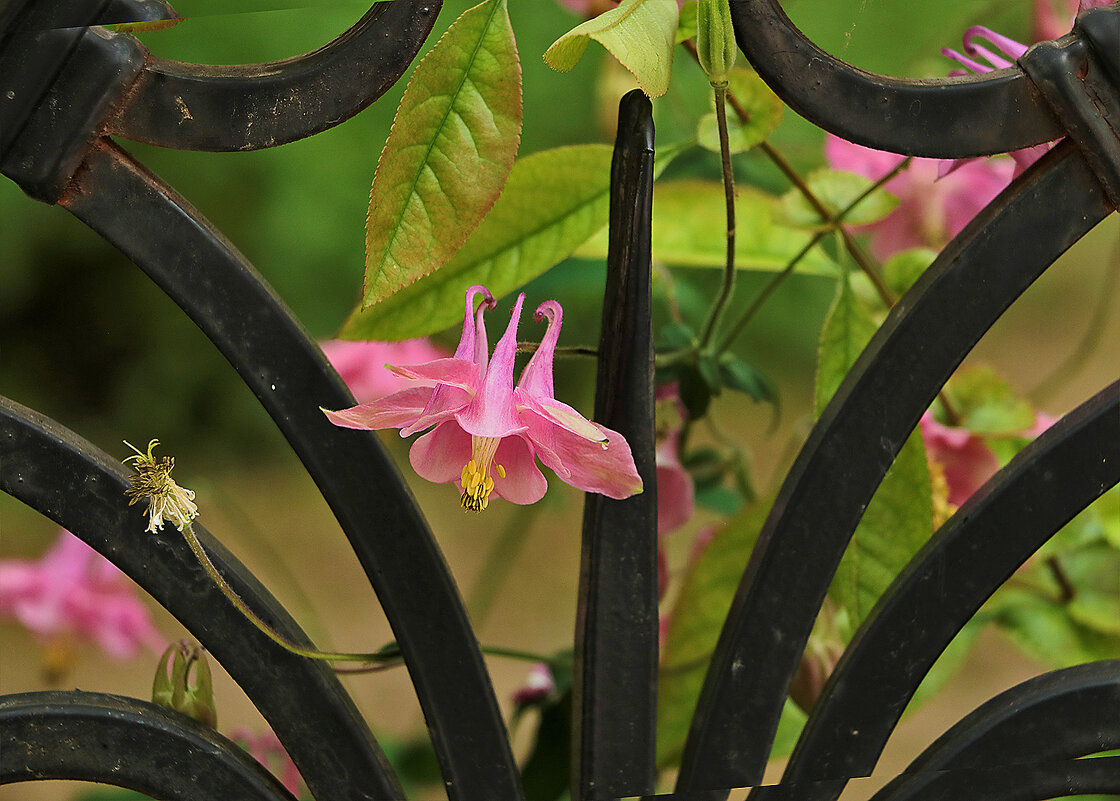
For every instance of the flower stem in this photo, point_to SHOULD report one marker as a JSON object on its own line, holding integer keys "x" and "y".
{"x": 267, "y": 630}
{"x": 729, "y": 203}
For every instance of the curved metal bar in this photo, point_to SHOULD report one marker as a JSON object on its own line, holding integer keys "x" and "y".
{"x": 220, "y": 291}
{"x": 128, "y": 743}
{"x": 252, "y": 106}
{"x": 1042, "y": 722}
{"x": 82, "y": 489}
{"x": 947, "y": 118}
{"x": 991, "y": 536}
{"x": 1028, "y": 782}
{"x": 926, "y": 335}
{"x": 615, "y": 688}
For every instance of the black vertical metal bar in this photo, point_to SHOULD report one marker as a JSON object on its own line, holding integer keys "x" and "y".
{"x": 991, "y": 536}
{"x": 927, "y": 334}
{"x": 615, "y": 690}
{"x": 219, "y": 290}
{"x": 82, "y": 489}
{"x": 128, "y": 743}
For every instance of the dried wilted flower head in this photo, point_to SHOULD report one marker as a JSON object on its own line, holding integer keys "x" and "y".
{"x": 153, "y": 483}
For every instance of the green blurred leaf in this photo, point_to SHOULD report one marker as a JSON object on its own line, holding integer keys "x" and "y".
{"x": 764, "y": 111}
{"x": 1044, "y": 630}
{"x": 847, "y": 330}
{"x": 988, "y": 404}
{"x": 904, "y": 268}
{"x": 836, "y": 190}
{"x": 639, "y": 33}
{"x": 553, "y": 201}
{"x": 689, "y": 230}
{"x": 695, "y": 621}
{"x": 547, "y": 770}
{"x": 449, "y": 152}
{"x": 686, "y": 23}
{"x": 744, "y": 377}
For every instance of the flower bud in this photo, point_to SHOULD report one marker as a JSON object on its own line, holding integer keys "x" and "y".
{"x": 715, "y": 39}
{"x": 173, "y": 688}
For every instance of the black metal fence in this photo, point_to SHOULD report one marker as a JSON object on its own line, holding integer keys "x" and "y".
{"x": 65, "y": 88}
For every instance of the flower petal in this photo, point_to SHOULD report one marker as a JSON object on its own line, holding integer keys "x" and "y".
{"x": 454, "y": 372}
{"x": 392, "y": 411}
{"x": 607, "y": 468}
{"x": 439, "y": 455}
{"x": 536, "y": 378}
{"x": 466, "y": 347}
{"x": 492, "y": 412}
{"x": 523, "y": 483}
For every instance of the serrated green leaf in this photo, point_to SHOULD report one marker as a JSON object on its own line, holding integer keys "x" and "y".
{"x": 903, "y": 268}
{"x": 898, "y": 521}
{"x": 639, "y": 33}
{"x": 988, "y": 404}
{"x": 553, "y": 201}
{"x": 836, "y": 190}
{"x": 449, "y": 152}
{"x": 899, "y": 518}
{"x": 764, "y": 111}
{"x": 695, "y": 621}
{"x": 847, "y": 329}
{"x": 689, "y": 230}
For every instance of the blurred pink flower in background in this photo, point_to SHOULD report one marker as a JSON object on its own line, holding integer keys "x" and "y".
{"x": 1050, "y": 24}
{"x": 362, "y": 364}
{"x": 932, "y": 209}
{"x": 964, "y": 456}
{"x": 538, "y": 685}
{"x": 74, "y": 591}
{"x": 266, "y": 749}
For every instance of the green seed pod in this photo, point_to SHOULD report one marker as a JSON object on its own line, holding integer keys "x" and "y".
{"x": 715, "y": 39}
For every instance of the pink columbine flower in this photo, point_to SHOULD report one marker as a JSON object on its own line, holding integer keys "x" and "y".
{"x": 676, "y": 501}
{"x": 362, "y": 364}
{"x": 267, "y": 749}
{"x": 74, "y": 591}
{"x": 488, "y": 434}
{"x": 964, "y": 456}
{"x": 932, "y": 208}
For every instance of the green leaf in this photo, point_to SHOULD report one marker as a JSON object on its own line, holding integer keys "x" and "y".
{"x": 847, "y": 329}
{"x": 764, "y": 111}
{"x": 898, "y": 521}
{"x": 449, "y": 152}
{"x": 903, "y": 268}
{"x": 836, "y": 191}
{"x": 744, "y": 377}
{"x": 708, "y": 586}
{"x": 988, "y": 404}
{"x": 950, "y": 662}
{"x": 554, "y": 200}
{"x": 1044, "y": 630}
{"x": 639, "y": 33}
{"x": 899, "y": 518}
{"x": 686, "y": 23}
{"x": 689, "y": 230}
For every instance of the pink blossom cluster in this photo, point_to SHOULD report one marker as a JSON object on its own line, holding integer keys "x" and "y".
{"x": 75, "y": 592}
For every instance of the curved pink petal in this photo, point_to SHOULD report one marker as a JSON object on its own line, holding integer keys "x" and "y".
{"x": 1008, "y": 46}
{"x": 454, "y": 372}
{"x": 439, "y": 455}
{"x": 362, "y": 364}
{"x": 467, "y": 346}
{"x": 492, "y": 412}
{"x": 675, "y": 494}
{"x": 392, "y": 411}
{"x": 536, "y": 378}
{"x": 561, "y": 414}
{"x": 523, "y": 483}
{"x": 607, "y": 468}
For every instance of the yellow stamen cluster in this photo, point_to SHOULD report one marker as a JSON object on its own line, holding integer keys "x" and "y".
{"x": 476, "y": 480}
{"x": 153, "y": 483}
